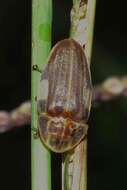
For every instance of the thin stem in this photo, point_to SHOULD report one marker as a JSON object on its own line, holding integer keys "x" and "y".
{"x": 41, "y": 43}
{"x": 74, "y": 168}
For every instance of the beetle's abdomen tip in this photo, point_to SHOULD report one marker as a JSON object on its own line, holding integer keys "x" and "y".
{"x": 60, "y": 134}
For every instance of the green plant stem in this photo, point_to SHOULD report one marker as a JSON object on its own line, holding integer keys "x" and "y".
{"x": 41, "y": 43}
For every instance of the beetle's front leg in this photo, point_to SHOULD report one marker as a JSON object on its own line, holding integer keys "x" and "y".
{"x": 36, "y": 68}
{"x": 35, "y": 133}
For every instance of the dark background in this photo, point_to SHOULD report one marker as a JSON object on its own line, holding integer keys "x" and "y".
{"x": 107, "y": 139}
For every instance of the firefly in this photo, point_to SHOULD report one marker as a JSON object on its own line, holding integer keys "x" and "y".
{"x": 64, "y": 97}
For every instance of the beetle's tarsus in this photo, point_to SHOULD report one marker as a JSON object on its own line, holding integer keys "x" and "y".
{"x": 36, "y": 98}
{"x": 36, "y": 68}
{"x": 35, "y": 133}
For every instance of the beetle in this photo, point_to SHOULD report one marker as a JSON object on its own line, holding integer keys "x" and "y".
{"x": 64, "y": 97}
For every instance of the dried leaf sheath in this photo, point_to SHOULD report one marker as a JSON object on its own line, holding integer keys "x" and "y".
{"x": 64, "y": 97}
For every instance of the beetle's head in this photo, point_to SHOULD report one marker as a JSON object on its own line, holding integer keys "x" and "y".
{"x": 60, "y": 134}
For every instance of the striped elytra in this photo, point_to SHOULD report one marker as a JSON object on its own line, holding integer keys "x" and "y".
{"x": 64, "y": 97}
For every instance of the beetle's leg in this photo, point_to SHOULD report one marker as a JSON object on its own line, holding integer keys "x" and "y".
{"x": 35, "y": 133}
{"x": 84, "y": 46}
{"x": 36, "y": 68}
{"x": 35, "y": 98}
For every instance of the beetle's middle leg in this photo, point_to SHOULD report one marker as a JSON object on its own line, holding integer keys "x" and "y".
{"x": 35, "y": 133}
{"x": 36, "y": 68}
